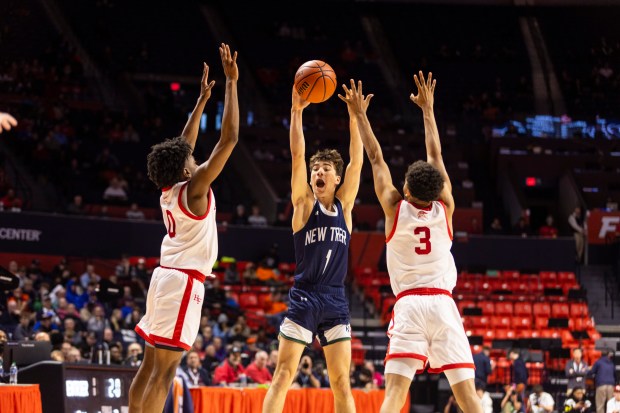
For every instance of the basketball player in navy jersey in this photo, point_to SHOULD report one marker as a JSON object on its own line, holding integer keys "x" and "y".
{"x": 321, "y": 232}
{"x": 189, "y": 249}
{"x": 426, "y": 329}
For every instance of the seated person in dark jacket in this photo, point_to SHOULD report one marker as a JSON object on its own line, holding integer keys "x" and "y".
{"x": 196, "y": 375}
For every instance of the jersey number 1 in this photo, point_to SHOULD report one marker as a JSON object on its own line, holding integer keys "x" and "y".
{"x": 172, "y": 226}
{"x": 425, "y": 240}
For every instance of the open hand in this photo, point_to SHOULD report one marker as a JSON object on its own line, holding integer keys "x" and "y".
{"x": 426, "y": 91}
{"x": 6, "y": 121}
{"x": 298, "y": 103}
{"x": 205, "y": 85}
{"x": 229, "y": 62}
{"x": 354, "y": 98}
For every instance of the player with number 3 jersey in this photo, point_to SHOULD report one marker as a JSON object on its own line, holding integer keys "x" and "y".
{"x": 189, "y": 249}
{"x": 426, "y": 328}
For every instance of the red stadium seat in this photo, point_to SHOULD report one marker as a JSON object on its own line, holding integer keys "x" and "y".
{"x": 542, "y": 310}
{"x": 578, "y": 310}
{"x": 480, "y": 321}
{"x": 548, "y": 276}
{"x": 521, "y": 322}
{"x": 541, "y": 322}
{"x": 523, "y": 309}
{"x": 488, "y": 307}
{"x": 535, "y": 372}
{"x": 510, "y": 274}
{"x": 560, "y": 310}
{"x": 499, "y": 322}
{"x": 504, "y": 308}
{"x": 248, "y": 300}
{"x": 465, "y": 304}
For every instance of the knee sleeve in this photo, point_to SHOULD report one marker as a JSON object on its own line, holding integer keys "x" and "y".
{"x": 403, "y": 367}
{"x": 456, "y": 376}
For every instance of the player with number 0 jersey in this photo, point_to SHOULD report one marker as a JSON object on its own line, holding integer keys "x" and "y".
{"x": 426, "y": 327}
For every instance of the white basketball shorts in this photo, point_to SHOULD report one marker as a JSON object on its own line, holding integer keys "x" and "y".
{"x": 173, "y": 308}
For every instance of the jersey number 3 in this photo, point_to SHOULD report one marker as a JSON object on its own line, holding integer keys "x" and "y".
{"x": 172, "y": 226}
{"x": 425, "y": 240}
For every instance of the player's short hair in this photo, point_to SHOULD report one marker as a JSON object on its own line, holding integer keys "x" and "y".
{"x": 424, "y": 181}
{"x": 328, "y": 155}
{"x": 166, "y": 161}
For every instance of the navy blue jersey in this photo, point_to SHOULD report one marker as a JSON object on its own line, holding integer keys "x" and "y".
{"x": 322, "y": 248}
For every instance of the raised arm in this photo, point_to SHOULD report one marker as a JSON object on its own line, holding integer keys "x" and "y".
{"x": 425, "y": 99}
{"x": 190, "y": 131}
{"x": 207, "y": 172}
{"x": 388, "y": 195}
{"x": 349, "y": 188}
{"x": 301, "y": 194}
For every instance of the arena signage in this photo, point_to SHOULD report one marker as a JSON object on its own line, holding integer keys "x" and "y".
{"x": 603, "y": 226}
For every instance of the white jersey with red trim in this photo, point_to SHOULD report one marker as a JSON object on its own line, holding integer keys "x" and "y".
{"x": 418, "y": 248}
{"x": 191, "y": 241}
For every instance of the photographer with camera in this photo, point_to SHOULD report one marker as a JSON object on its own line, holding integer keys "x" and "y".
{"x": 540, "y": 401}
{"x": 512, "y": 401}
{"x": 305, "y": 376}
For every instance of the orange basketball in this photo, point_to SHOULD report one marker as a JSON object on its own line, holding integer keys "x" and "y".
{"x": 315, "y": 81}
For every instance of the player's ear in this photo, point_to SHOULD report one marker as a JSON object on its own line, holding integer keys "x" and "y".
{"x": 338, "y": 179}
{"x": 186, "y": 173}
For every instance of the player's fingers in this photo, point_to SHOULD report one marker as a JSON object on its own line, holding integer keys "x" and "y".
{"x": 353, "y": 88}
{"x": 211, "y": 84}
{"x": 359, "y": 86}
{"x": 235, "y": 58}
{"x": 433, "y": 86}
{"x": 413, "y": 97}
{"x": 368, "y": 98}
{"x": 342, "y": 98}
{"x": 4, "y": 125}
{"x": 417, "y": 83}
{"x": 429, "y": 80}
{"x": 346, "y": 90}
{"x": 205, "y": 73}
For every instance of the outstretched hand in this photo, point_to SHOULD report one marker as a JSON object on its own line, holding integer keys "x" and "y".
{"x": 6, "y": 121}
{"x": 298, "y": 103}
{"x": 426, "y": 91}
{"x": 354, "y": 98}
{"x": 229, "y": 62}
{"x": 205, "y": 85}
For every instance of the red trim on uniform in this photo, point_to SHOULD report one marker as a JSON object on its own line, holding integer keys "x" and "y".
{"x": 142, "y": 334}
{"x": 423, "y": 208}
{"x": 195, "y": 274}
{"x": 445, "y": 211}
{"x": 186, "y": 211}
{"x": 394, "y": 225}
{"x": 452, "y": 367}
{"x": 406, "y": 355}
{"x": 169, "y": 342}
{"x": 166, "y": 188}
{"x": 423, "y": 291}
{"x": 178, "y": 327}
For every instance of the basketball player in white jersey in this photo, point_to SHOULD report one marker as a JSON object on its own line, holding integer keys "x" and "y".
{"x": 189, "y": 249}
{"x": 426, "y": 328}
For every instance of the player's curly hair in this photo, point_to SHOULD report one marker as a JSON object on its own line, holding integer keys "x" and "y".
{"x": 328, "y": 155}
{"x": 424, "y": 181}
{"x": 166, "y": 161}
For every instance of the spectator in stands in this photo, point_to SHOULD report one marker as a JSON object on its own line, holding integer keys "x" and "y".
{"x": 512, "y": 400}
{"x": 210, "y": 362}
{"x": 24, "y": 329}
{"x": 305, "y": 377}
{"x": 613, "y": 404}
{"x": 256, "y": 219}
{"x": 575, "y": 220}
{"x": 249, "y": 274}
{"x": 198, "y": 346}
{"x": 7, "y": 121}
{"x": 115, "y": 192}
{"x": 604, "y": 372}
{"x": 98, "y": 322}
{"x": 3, "y": 340}
{"x": 134, "y": 213}
{"x": 45, "y": 323}
{"x": 321, "y": 372}
{"x": 11, "y": 202}
{"x": 76, "y": 207}
{"x": 74, "y": 356}
{"x": 220, "y": 350}
{"x": 522, "y": 228}
{"x": 519, "y": 371}
{"x": 576, "y": 371}
{"x": 197, "y": 376}
{"x": 230, "y": 369}
{"x": 239, "y": 217}
{"x": 116, "y": 353}
{"x": 134, "y": 355}
{"x": 482, "y": 361}
{"x": 257, "y": 371}
{"x": 231, "y": 275}
{"x": 273, "y": 360}
{"x": 89, "y": 276}
{"x": 577, "y": 403}
{"x": 496, "y": 227}
{"x": 540, "y": 401}
{"x": 282, "y": 220}
{"x": 549, "y": 230}
{"x": 485, "y": 398}
{"x": 42, "y": 336}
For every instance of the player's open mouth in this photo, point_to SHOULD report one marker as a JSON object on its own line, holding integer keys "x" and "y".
{"x": 320, "y": 183}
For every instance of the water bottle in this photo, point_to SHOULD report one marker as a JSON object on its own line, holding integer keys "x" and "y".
{"x": 13, "y": 374}
{"x": 243, "y": 380}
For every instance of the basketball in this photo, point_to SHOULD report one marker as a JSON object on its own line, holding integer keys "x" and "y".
{"x": 315, "y": 81}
